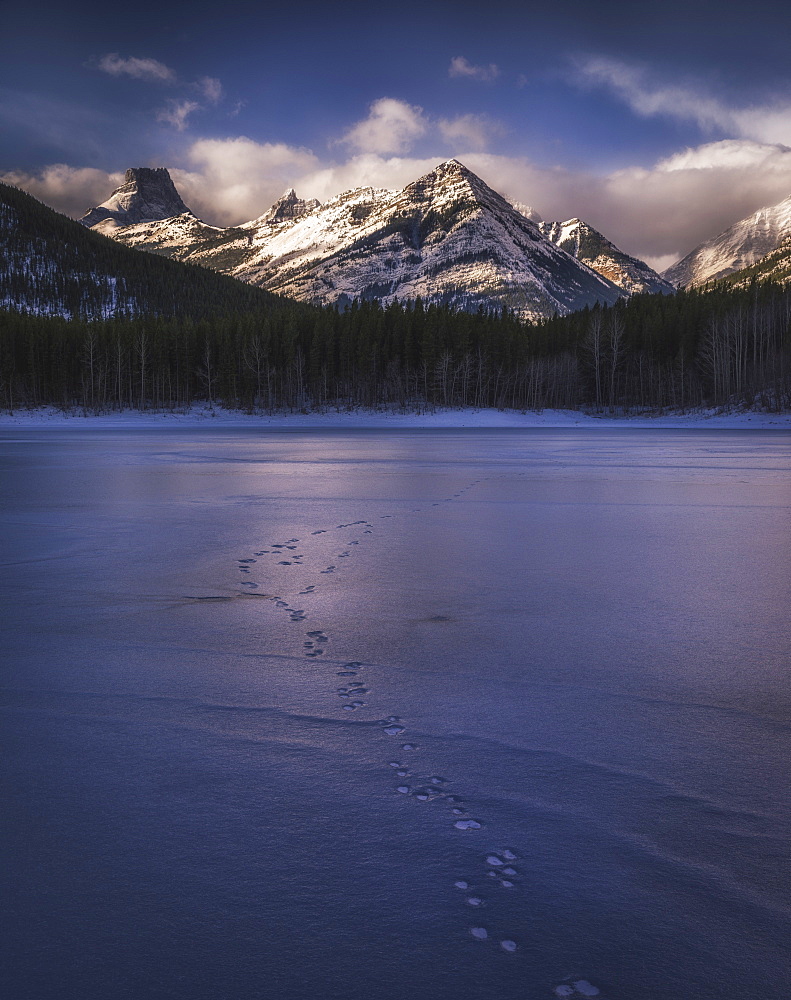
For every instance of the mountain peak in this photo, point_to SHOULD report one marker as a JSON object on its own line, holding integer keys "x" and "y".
{"x": 453, "y": 169}
{"x": 527, "y": 210}
{"x": 148, "y": 176}
{"x": 289, "y": 206}
{"x": 147, "y": 194}
{"x": 588, "y": 245}
{"x": 446, "y": 237}
{"x": 451, "y": 180}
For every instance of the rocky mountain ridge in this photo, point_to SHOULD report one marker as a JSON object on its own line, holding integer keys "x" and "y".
{"x": 447, "y": 237}
{"x": 592, "y": 248}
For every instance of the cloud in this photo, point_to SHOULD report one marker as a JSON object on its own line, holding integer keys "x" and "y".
{"x": 392, "y": 126}
{"x": 661, "y": 262}
{"x": 228, "y": 181}
{"x": 460, "y": 67}
{"x": 365, "y": 170}
{"x": 140, "y": 69}
{"x": 657, "y": 213}
{"x": 730, "y": 154}
{"x": 211, "y": 88}
{"x": 693, "y": 195}
{"x": 71, "y": 190}
{"x": 473, "y": 130}
{"x": 176, "y": 113}
{"x": 766, "y": 123}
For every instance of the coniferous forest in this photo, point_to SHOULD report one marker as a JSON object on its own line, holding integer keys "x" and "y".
{"x": 715, "y": 348}
{"x": 181, "y": 334}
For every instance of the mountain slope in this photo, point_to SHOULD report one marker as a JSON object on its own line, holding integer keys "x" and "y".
{"x": 447, "y": 238}
{"x": 592, "y": 248}
{"x": 775, "y": 267}
{"x": 741, "y": 245}
{"x": 53, "y": 266}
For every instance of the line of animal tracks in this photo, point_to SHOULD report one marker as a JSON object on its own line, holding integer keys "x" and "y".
{"x": 269, "y": 569}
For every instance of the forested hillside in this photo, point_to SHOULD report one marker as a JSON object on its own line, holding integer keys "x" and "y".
{"x": 52, "y": 266}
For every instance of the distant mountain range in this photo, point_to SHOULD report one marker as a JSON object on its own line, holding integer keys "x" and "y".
{"x": 740, "y": 246}
{"x": 447, "y": 237}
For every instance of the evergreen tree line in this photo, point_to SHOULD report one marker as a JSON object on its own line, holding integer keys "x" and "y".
{"x": 718, "y": 347}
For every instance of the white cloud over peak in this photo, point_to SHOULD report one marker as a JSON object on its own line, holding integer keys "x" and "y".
{"x": 461, "y": 67}
{"x": 639, "y": 90}
{"x": 233, "y": 180}
{"x": 474, "y": 131}
{"x": 392, "y": 126}
{"x": 140, "y": 69}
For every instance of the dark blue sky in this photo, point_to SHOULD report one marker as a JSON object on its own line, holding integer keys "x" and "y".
{"x": 578, "y": 92}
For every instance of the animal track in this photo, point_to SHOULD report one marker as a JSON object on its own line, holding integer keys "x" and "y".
{"x": 430, "y": 788}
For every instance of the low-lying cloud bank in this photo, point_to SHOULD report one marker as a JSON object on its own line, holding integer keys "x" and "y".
{"x": 657, "y": 213}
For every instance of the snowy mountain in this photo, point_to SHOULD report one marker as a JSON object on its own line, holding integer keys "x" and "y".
{"x": 447, "y": 237}
{"x": 588, "y": 245}
{"x": 740, "y": 246}
{"x": 146, "y": 194}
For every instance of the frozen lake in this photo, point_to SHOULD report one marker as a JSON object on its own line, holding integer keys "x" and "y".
{"x": 433, "y": 714}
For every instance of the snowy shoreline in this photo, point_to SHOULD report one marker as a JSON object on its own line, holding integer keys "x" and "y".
{"x": 361, "y": 419}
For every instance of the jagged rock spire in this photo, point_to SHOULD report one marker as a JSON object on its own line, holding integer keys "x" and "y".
{"x": 147, "y": 194}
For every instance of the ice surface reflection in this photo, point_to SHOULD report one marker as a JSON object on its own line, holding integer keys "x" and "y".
{"x": 429, "y": 713}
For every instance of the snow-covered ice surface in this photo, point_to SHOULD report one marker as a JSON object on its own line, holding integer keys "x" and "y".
{"x": 227, "y": 650}
{"x": 203, "y": 416}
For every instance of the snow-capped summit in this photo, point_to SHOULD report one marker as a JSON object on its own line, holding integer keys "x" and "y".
{"x": 741, "y": 245}
{"x": 446, "y": 237}
{"x": 449, "y": 181}
{"x": 147, "y": 194}
{"x": 588, "y": 245}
